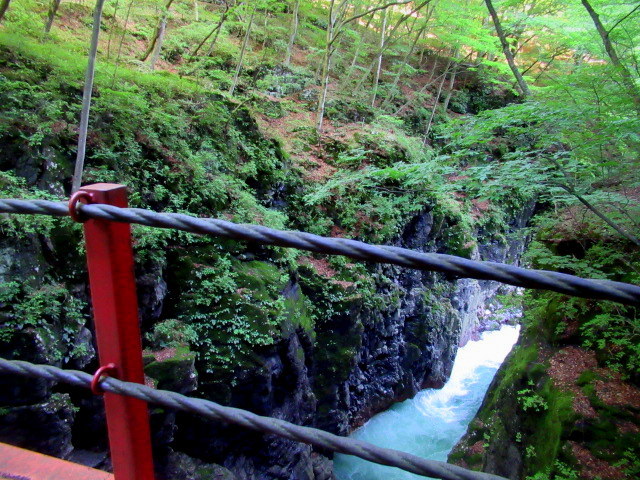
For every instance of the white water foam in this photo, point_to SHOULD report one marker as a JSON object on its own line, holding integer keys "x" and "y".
{"x": 490, "y": 351}
{"x": 431, "y": 423}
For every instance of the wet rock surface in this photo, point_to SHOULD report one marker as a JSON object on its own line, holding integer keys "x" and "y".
{"x": 44, "y": 427}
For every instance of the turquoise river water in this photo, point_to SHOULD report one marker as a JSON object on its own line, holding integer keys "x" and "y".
{"x": 432, "y": 422}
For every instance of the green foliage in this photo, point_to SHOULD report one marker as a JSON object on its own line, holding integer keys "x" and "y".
{"x": 366, "y": 203}
{"x": 610, "y": 329}
{"x": 23, "y": 226}
{"x": 182, "y": 146}
{"x": 281, "y": 82}
{"x": 530, "y": 400}
{"x": 630, "y": 463}
{"x": 171, "y": 333}
{"x": 46, "y": 308}
{"x": 374, "y": 202}
{"x": 228, "y": 309}
{"x": 558, "y": 471}
{"x": 186, "y": 150}
{"x": 617, "y": 337}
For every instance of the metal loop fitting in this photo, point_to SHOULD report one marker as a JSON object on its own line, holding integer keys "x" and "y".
{"x": 103, "y": 371}
{"x": 73, "y": 205}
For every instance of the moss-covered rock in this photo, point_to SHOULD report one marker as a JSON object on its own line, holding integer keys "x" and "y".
{"x": 173, "y": 369}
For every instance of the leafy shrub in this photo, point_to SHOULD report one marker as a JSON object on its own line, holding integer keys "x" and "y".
{"x": 530, "y": 400}
{"x": 172, "y": 333}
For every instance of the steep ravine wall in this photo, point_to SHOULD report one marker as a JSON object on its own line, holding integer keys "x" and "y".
{"x": 361, "y": 362}
{"x": 411, "y": 344}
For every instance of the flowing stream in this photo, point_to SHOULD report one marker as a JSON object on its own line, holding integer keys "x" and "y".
{"x": 432, "y": 422}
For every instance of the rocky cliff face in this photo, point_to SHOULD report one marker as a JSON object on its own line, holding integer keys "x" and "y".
{"x": 411, "y": 343}
{"x": 361, "y": 362}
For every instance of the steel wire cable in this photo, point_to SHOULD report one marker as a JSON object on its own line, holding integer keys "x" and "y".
{"x": 267, "y": 425}
{"x": 461, "y": 267}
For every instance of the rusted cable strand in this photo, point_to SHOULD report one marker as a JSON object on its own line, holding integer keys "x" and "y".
{"x": 214, "y": 411}
{"x": 458, "y": 266}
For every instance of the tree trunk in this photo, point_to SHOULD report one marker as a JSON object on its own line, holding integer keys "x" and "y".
{"x": 124, "y": 32}
{"x": 334, "y": 31}
{"x": 156, "y": 52}
{"x": 391, "y": 96}
{"x": 196, "y": 12}
{"x": 524, "y": 88}
{"x": 294, "y": 33}
{"x": 376, "y": 78}
{"x": 242, "y": 51}
{"x": 356, "y": 53}
{"x": 156, "y": 33}
{"x": 427, "y": 84}
{"x": 51, "y": 15}
{"x": 452, "y": 79}
{"x": 386, "y": 38}
{"x": 435, "y": 103}
{"x": 326, "y": 62}
{"x": 112, "y": 28}
{"x": 325, "y": 87}
{"x": 433, "y": 68}
{"x": 4, "y": 5}
{"x": 602, "y": 216}
{"x": 365, "y": 76}
{"x": 627, "y": 78}
{"x": 214, "y": 41}
{"x": 215, "y": 30}
{"x": 86, "y": 98}
{"x": 266, "y": 24}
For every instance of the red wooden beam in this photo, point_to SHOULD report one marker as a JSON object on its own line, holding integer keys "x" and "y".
{"x": 17, "y": 463}
{"x": 115, "y": 311}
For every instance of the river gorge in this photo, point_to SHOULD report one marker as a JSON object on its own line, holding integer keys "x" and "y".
{"x": 431, "y": 423}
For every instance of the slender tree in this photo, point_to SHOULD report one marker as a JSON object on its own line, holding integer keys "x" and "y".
{"x": 124, "y": 32}
{"x": 360, "y": 43}
{"x": 4, "y": 5}
{"x": 407, "y": 56}
{"x": 524, "y": 88}
{"x": 376, "y": 78}
{"x": 228, "y": 9}
{"x": 156, "y": 51}
{"x": 569, "y": 188}
{"x": 294, "y": 32}
{"x": 242, "y": 51}
{"x": 452, "y": 81}
{"x": 86, "y": 97}
{"x": 337, "y": 21}
{"x": 389, "y": 41}
{"x": 162, "y": 24}
{"x": 600, "y": 214}
{"x": 51, "y": 15}
{"x": 112, "y": 27}
{"x": 436, "y": 99}
{"x": 627, "y": 78}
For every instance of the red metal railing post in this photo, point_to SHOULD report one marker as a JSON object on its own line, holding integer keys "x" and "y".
{"x": 115, "y": 311}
